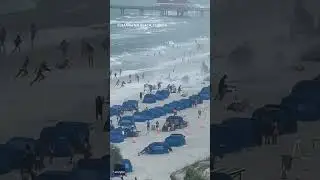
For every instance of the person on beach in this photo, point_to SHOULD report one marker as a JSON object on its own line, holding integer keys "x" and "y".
{"x": 17, "y": 42}
{"x": 275, "y": 132}
{"x": 33, "y": 33}
{"x": 66, "y": 64}
{"x": 286, "y": 164}
{"x": 83, "y": 47}
{"x": 118, "y": 82}
{"x": 141, "y": 95}
{"x": 99, "y": 107}
{"x": 3, "y": 36}
{"x": 157, "y": 126}
{"x": 222, "y": 87}
{"x": 64, "y": 47}
{"x": 115, "y": 75}
{"x": 159, "y": 85}
{"x": 123, "y": 83}
{"x": 90, "y": 51}
{"x": 39, "y": 72}
{"x": 23, "y": 71}
{"x": 179, "y": 89}
{"x": 105, "y": 44}
{"x": 199, "y": 113}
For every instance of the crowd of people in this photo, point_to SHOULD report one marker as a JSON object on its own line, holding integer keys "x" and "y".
{"x": 87, "y": 49}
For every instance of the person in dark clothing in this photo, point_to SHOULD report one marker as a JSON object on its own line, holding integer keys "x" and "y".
{"x": 39, "y": 72}
{"x": 141, "y": 95}
{"x": 115, "y": 75}
{"x": 157, "y": 125}
{"x": 123, "y": 83}
{"x": 286, "y": 164}
{"x": 33, "y": 33}
{"x": 64, "y": 47}
{"x": 28, "y": 162}
{"x": 222, "y": 87}
{"x": 199, "y": 113}
{"x": 275, "y": 132}
{"x": 17, "y": 42}
{"x": 118, "y": 82}
{"x": 87, "y": 149}
{"x": 105, "y": 44}
{"x": 99, "y": 107}
{"x": 159, "y": 85}
{"x": 148, "y": 125}
{"x": 3, "y": 36}
{"x": 23, "y": 71}
{"x": 64, "y": 65}
{"x": 90, "y": 51}
{"x": 179, "y": 89}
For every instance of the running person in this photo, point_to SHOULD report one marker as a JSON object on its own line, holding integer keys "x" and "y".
{"x": 17, "y": 42}
{"x": 39, "y": 73}
{"x": 24, "y": 69}
{"x": 33, "y": 33}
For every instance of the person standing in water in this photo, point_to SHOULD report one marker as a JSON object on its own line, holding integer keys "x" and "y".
{"x": 33, "y": 33}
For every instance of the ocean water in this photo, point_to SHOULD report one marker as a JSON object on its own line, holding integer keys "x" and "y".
{"x": 165, "y": 52}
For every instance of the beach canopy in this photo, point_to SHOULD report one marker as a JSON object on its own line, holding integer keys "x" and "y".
{"x": 117, "y": 135}
{"x": 162, "y": 94}
{"x": 149, "y": 99}
{"x": 115, "y": 110}
{"x": 130, "y": 105}
{"x": 141, "y": 116}
{"x": 175, "y": 140}
{"x": 157, "y": 148}
{"x": 302, "y": 109}
{"x": 127, "y": 165}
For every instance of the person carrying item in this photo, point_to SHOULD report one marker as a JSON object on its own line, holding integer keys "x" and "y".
{"x": 23, "y": 71}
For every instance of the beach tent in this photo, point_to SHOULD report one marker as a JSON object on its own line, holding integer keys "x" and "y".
{"x": 177, "y": 105}
{"x": 156, "y": 148}
{"x": 150, "y": 114}
{"x": 196, "y": 99}
{"x": 307, "y": 89}
{"x": 10, "y": 158}
{"x": 239, "y": 133}
{"x": 162, "y": 94}
{"x": 160, "y": 110}
{"x": 126, "y": 121}
{"x": 177, "y": 121}
{"x": 205, "y": 93}
{"x": 73, "y": 134}
{"x": 62, "y": 147}
{"x": 115, "y": 110}
{"x": 127, "y": 165}
{"x": 168, "y": 108}
{"x": 302, "y": 109}
{"x": 81, "y": 129}
{"x": 95, "y": 169}
{"x": 117, "y": 135}
{"x": 155, "y": 113}
{"x": 175, "y": 140}
{"x": 187, "y": 103}
{"x": 19, "y": 143}
{"x": 130, "y": 105}
{"x": 266, "y": 115}
{"x": 217, "y": 140}
{"x": 141, "y": 117}
{"x": 53, "y": 175}
{"x": 221, "y": 176}
{"x": 149, "y": 99}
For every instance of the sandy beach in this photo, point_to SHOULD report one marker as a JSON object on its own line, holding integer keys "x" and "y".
{"x": 265, "y": 80}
